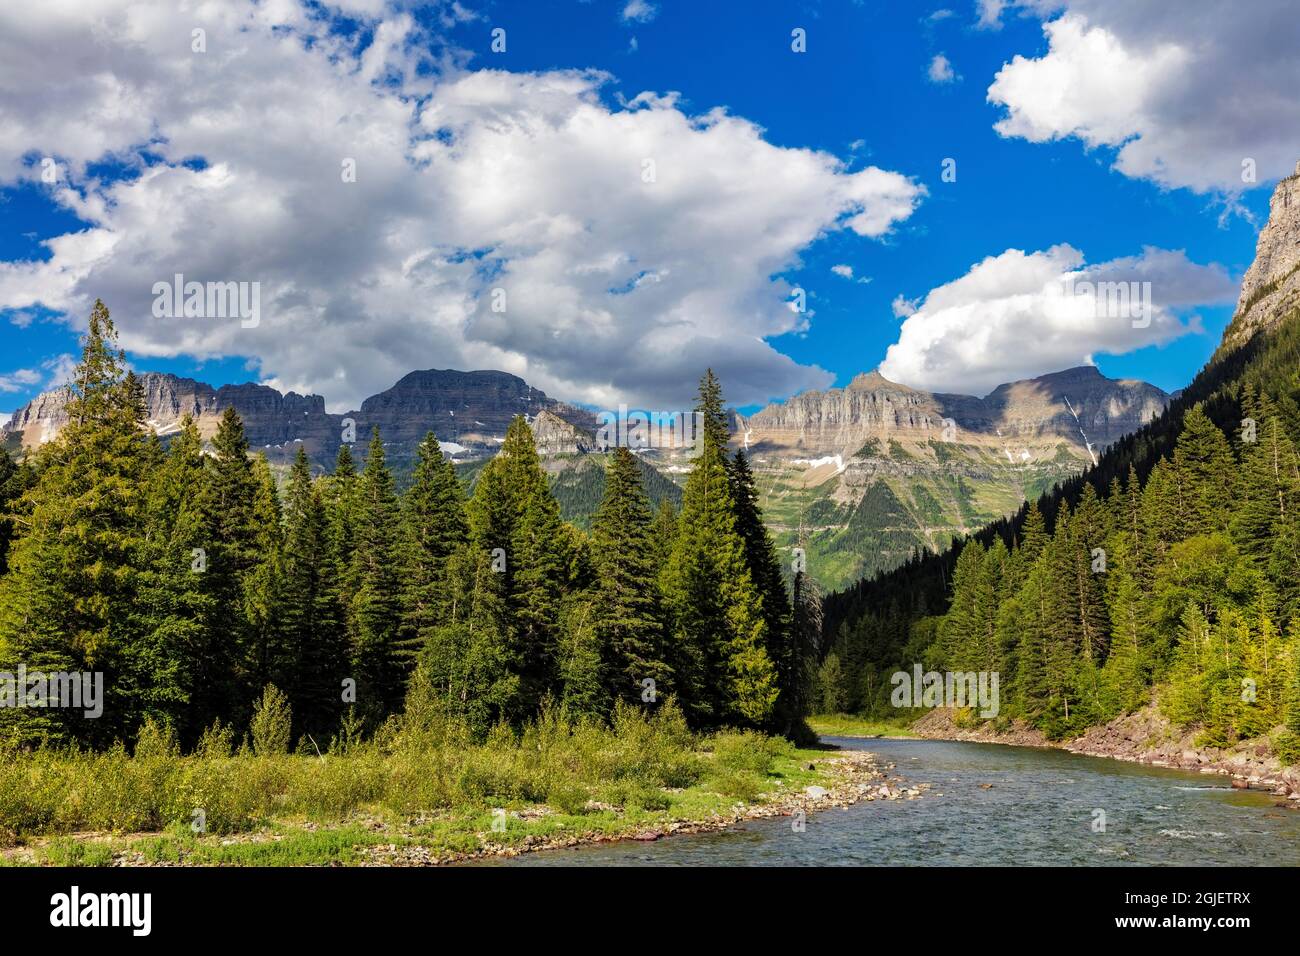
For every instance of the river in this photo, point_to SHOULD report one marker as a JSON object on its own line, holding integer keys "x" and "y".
{"x": 1039, "y": 810}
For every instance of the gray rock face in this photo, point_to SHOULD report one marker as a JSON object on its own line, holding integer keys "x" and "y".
{"x": 555, "y": 436}
{"x": 1271, "y": 286}
{"x": 470, "y": 409}
{"x": 1067, "y": 405}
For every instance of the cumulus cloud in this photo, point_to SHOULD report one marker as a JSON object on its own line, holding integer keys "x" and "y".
{"x": 518, "y": 221}
{"x": 1184, "y": 93}
{"x": 1018, "y": 315}
{"x": 843, "y": 271}
{"x": 940, "y": 70}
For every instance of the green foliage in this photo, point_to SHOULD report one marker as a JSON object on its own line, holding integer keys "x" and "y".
{"x": 223, "y": 607}
{"x": 272, "y": 723}
{"x": 1171, "y": 571}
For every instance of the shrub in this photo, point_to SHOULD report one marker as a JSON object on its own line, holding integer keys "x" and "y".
{"x": 1286, "y": 744}
{"x": 271, "y": 723}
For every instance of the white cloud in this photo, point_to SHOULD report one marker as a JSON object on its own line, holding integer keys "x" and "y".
{"x": 639, "y": 11}
{"x": 1183, "y": 93}
{"x": 902, "y": 307}
{"x": 19, "y": 380}
{"x": 466, "y": 182}
{"x": 845, "y": 272}
{"x": 940, "y": 70}
{"x": 1018, "y": 315}
{"x": 990, "y": 14}
{"x": 61, "y": 370}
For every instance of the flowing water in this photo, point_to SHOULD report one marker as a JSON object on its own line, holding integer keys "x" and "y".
{"x": 1039, "y": 810}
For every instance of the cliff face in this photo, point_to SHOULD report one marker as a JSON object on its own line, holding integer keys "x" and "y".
{"x": 1078, "y": 406}
{"x": 1271, "y": 286}
{"x": 469, "y": 410}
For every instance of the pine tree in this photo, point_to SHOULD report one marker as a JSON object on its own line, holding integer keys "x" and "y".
{"x": 174, "y": 603}
{"x": 342, "y": 495}
{"x": 376, "y": 605}
{"x": 539, "y": 561}
{"x": 15, "y": 479}
{"x": 74, "y": 572}
{"x": 268, "y": 660}
{"x": 435, "y": 527}
{"x": 223, "y": 689}
{"x": 722, "y": 666}
{"x": 315, "y": 639}
{"x": 1126, "y": 673}
{"x": 628, "y": 620}
{"x": 765, "y": 572}
{"x": 806, "y": 631}
{"x": 663, "y": 532}
{"x": 1086, "y": 532}
{"x": 1203, "y": 470}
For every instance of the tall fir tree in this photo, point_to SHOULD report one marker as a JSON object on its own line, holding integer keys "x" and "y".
{"x": 315, "y": 638}
{"x": 765, "y": 571}
{"x": 723, "y": 669}
{"x": 628, "y": 618}
{"x": 75, "y": 570}
{"x": 224, "y": 687}
{"x": 376, "y": 606}
{"x": 434, "y": 526}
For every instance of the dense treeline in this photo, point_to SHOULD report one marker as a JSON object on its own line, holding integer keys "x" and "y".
{"x": 1173, "y": 566}
{"x": 196, "y": 586}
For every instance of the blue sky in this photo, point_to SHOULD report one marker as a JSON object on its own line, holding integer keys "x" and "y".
{"x": 862, "y": 93}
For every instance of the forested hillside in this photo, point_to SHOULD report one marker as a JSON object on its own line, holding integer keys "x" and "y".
{"x": 197, "y": 587}
{"x": 1170, "y": 569}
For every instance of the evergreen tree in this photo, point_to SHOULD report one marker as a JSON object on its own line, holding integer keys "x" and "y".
{"x": 342, "y": 495}
{"x": 376, "y": 606}
{"x": 806, "y": 628}
{"x": 315, "y": 639}
{"x": 75, "y": 571}
{"x": 435, "y": 527}
{"x": 628, "y": 621}
{"x": 268, "y": 659}
{"x": 174, "y": 600}
{"x": 1203, "y": 475}
{"x": 224, "y": 688}
{"x": 723, "y": 670}
{"x": 765, "y": 572}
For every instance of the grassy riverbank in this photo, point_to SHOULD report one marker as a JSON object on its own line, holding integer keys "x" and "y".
{"x": 849, "y": 725}
{"x": 420, "y": 792}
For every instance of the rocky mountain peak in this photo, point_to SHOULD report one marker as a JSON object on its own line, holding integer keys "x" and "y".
{"x": 1271, "y": 286}
{"x": 1079, "y": 406}
{"x": 468, "y": 410}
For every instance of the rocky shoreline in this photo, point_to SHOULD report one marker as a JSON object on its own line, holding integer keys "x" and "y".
{"x": 1141, "y": 737}
{"x": 856, "y": 776}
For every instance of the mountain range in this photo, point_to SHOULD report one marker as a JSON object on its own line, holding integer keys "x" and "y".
{"x": 865, "y": 474}
{"x": 861, "y": 475}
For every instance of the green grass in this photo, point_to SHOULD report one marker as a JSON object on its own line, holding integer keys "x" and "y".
{"x": 848, "y": 725}
{"x": 421, "y": 783}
